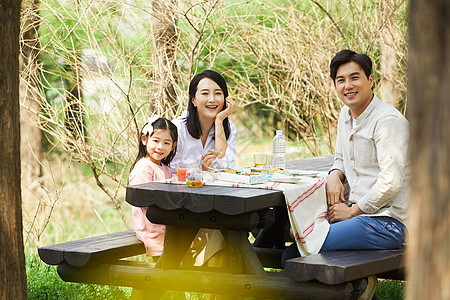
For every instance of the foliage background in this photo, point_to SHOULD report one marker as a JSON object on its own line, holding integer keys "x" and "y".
{"x": 93, "y": 71}
{"x": 100, "y": 68}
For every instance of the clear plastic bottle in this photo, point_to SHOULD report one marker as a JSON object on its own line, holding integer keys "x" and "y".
{"x": 279, "y": 150}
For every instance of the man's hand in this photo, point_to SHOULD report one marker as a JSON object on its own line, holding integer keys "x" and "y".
{"x": 340, "y": 212}
{"x": 335, "y": 188}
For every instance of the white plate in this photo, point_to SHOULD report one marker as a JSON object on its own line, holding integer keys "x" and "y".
{"x": 285, "y": 179}
{"x": 304, "y": 173}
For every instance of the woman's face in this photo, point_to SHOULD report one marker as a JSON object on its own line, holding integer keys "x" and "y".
{"x": 209, "y": 99}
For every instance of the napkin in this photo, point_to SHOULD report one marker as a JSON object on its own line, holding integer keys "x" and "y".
{"x": 237, "y": 178}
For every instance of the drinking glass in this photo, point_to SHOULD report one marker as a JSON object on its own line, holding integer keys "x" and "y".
{"x": 260, "y": 159}
{"x": 181, "y": 172}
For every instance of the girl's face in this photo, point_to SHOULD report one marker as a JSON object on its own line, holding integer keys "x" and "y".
{"x": 158, "y": 145}
{"x": 209, "y": 98}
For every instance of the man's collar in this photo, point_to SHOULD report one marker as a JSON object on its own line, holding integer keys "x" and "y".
{"x": 373, "y": 103}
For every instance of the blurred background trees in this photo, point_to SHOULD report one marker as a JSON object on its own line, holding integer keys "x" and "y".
{"x": 93, "y": 71}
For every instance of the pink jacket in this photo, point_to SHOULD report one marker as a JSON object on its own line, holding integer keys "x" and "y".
{"x": 151, "y": 234}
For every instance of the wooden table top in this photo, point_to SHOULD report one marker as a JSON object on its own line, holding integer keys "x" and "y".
{"x": 226, "y": 200}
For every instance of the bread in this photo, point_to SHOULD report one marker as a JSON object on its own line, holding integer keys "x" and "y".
{"x": 216, "y": 153}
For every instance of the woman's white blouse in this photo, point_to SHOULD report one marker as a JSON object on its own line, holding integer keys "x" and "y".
{"x": 190, "y": 149}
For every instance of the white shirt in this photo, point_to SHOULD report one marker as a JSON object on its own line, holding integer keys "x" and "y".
{"x": 190, "y": 149}
{"x": 373, "y": 155}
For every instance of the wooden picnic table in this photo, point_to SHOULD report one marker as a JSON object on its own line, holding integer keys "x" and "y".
{"x": 184, "y": 210}
{"x": 234, "y": 211}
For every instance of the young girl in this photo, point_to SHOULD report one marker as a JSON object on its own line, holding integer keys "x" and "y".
{"x": 157, "y": 147}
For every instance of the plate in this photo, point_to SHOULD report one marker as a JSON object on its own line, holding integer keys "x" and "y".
{"x": 284, "y": 179}
{"x": 304, "y": 173}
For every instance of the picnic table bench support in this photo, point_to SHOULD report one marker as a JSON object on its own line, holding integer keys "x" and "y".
{"x": 139, "y": 275}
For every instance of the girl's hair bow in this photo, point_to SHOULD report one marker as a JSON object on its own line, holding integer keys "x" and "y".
{"x": 148, "y": 128}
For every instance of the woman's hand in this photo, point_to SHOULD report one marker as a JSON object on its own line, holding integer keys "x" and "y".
{"x": 208, "y": 160}
{"x": 334, "y": 187}
{"x": 227, "y": 111}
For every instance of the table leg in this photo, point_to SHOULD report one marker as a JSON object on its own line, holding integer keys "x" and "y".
{"x": 234, "y": 239}
{"x": 243, "y": 258}
{"x": 177, "y": 241}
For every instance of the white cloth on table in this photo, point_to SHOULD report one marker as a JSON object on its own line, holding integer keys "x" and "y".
{"x": 307, "y": 208}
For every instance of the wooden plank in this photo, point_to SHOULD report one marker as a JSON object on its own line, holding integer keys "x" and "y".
{"x": 227, "y": 200}
{"x": 269, "y": 257}
{"x": 54, "y": 254}
{"x": 177, "y": 240}
{"x": 274, "y": 285}
{"x": 234, "y": 201}
{"x": 336, "y": 267}
{"x": 213, "y": 219}
{"x": 104, "y": 251}
{"x": 322, "y": 163}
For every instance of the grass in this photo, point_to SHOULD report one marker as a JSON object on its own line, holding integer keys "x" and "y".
{"x": 43, "y": 282}
{"x": 391, "y": 290}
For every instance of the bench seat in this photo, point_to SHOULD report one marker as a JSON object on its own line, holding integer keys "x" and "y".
{"x": 93, "y": 250}
{"x": 336, "y": 267}
{"x": 117, "y": 245}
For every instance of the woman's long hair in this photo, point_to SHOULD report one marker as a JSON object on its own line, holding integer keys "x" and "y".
{"x": 192, "y": 121}
{"x": 161, "y": 123}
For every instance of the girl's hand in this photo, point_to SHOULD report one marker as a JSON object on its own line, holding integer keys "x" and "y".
{"x": 227, "y": 111}
{"x": 208, "y": 160}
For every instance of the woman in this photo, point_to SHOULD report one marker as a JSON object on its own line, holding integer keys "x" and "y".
{"x": 205, "y": 125}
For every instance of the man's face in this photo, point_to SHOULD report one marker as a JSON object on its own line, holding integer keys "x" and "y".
{"x": 353, "y": 87}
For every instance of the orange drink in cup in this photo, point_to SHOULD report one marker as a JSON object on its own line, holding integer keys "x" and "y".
{"x": 181, "y": 172}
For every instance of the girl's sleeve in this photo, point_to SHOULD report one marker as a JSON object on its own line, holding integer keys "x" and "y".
{"x": 141, "y": 176}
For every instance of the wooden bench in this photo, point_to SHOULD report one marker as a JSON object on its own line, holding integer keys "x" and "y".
{"x": 336, "y": 267}
{"x": 113, "y": 246}
{"x": 98, "y": 260}
{"x": 334, "y": 275}
{"x": 93, "y": 250}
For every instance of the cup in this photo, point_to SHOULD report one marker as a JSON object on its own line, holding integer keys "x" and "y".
{"x": 194, "y": 176}
{"x": 181, "y": 172}
{"x": 260, "y": 159}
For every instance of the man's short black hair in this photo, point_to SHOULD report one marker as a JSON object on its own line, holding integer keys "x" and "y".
{"x": 346, "y": 56}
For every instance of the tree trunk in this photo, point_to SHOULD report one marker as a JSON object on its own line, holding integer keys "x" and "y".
{"x": 12, "y": 260}
{"x": 428, "y": 272}
{"x": 164, "y": 56}
{"x": 388, "y": 39}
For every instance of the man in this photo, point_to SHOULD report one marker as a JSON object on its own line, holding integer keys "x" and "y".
{"x": 372, "y": 158}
